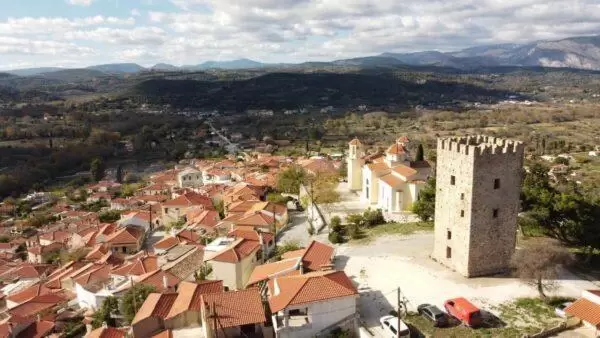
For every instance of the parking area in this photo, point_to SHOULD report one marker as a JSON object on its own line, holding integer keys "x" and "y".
{"x": 388, "y": 263}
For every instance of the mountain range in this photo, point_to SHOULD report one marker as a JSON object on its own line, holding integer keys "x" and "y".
{"x": 575, "y": 52}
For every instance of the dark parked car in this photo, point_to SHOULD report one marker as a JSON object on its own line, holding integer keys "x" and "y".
{"x": 433, "y": 313}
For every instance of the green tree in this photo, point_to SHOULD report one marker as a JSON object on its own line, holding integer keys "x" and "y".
{"x": 104, "y": 314}
{"x": 133, "y": 300}
{"x": 424, "y": 207}
{"x": 220, "y": 208}
{"x": 97, "y": 169}
{"x": 277, "y": 198}
{"x": 4, "y": 239}
{"x": 109, "y": 216}
{"x": 289, "y": 180}
{"x": 286, "y": 247}
{"x": 420, "y": 156}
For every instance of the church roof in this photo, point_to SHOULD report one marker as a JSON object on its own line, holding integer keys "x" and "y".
{"x": 355, "y": 142}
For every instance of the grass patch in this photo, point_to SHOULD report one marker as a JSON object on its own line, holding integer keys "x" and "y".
{"x": 368, "y": 234}
{"x": 517, "y": 318}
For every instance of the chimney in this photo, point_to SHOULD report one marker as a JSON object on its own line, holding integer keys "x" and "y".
{"x": 39, "y": 317}
{"x": 301, "y": 267}
{"x": 104, "y": 325}
{"x": 165, "y": 282}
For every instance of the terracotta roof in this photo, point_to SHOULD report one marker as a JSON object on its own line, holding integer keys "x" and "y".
{"x": 270, "y": 207}
{"x": 155, "y": 305}
{"x": 166, "y": 243}
{"x": 237, "y": 252}
{"x": 36, "y": 305}
{"x": 378, "y": 167}
{"x": 308, "y": 288}
{"x": 393, "y": 181}
{"x": 106, "y": 332}
{"x": 126, "y": 235}
{"x": 205, "y": 219}
{"x": 188, "y": 236}
{"x": 405, "y": 171}
{"x": 56, "y": 236}
{"x": 355, "y": 142}
{"x": 26, "y": 270}
{"x": 293, "y": 254}
{"x": 256, "y": 218}
{"x": 28, "y": 293}
{"x": 266, "y": 271}
{"x": 190, "y": 199}
{"x": 585, "y": 310}
{"x": 37, "y": 329}
{"x": 236, "y": 308}
{"x": 252, "y": 235}
{"x": 143, "y": 215}
{"x": 38, "y": 250}
{"x": 138, "y": 267}
{"x": 99, "y": 273}
{"x": 317, "y": 255}
{"x": 97, "y": 252}
{"x": 156, "y": 279}
{"x": 396, "y": 148}
{"x": 189, "y": 296}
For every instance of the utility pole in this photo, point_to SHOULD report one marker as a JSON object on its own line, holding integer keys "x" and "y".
{"x": 399, "y": 304}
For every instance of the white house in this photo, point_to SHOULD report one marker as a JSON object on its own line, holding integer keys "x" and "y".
{"x": 389, "y": 181}
{"x": 189, "y": 178}
{"x": 313, "y": 304}
{"x": 139, "y": 218}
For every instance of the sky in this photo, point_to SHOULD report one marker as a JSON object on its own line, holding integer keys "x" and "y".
{"x": 78, "y": 33}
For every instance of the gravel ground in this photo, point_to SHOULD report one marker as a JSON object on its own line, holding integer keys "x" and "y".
{"x": 387, "y": 263}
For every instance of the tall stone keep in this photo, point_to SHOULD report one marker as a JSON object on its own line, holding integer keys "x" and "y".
{"x": 478, "y": 183}
{"x": 355, "y": 153}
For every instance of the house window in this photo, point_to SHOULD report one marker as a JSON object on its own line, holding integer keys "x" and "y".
{"x": 166, "y": 210}
{"x": 495, "y": 213}
{"x": 462, "y": 196}
{"x": 462, "y": 213}
{"x": 497, "y": 183}
{"x": 452, "y": 180}
{"x": 449, "y": 234}
{"x": 448, "y": 252}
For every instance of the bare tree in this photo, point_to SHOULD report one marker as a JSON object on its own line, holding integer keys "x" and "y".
{"x": 538, "y": 264}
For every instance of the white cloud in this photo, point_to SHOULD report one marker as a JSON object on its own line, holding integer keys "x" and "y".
{"x": 11, "y": 45}
{"x": 296, "y": 30}
{"x": 80, "y": 2}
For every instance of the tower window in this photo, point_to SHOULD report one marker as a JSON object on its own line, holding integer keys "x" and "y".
{"x": 497, "y": 183}
{"x": 448, "y": 252}
{"x": 452, "y": 180}
{"x": 449, "y": 234}
{"x": 462, "y": 196}
{"x": 495, "y": 213}
{"x": 462, "y": 213}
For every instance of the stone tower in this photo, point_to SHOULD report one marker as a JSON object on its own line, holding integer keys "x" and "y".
{"x": 478, "y": 183}
{"x": 355, "y": 152}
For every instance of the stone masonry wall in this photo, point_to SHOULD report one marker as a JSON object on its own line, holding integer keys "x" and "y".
{"x": 481, "y": 243}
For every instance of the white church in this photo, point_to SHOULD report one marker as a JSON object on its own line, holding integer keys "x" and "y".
{"x": 388, "y": 181}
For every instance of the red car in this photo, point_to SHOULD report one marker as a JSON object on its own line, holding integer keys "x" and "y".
{"x": 465, "y": 311}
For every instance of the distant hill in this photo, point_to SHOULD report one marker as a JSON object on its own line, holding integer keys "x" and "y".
{"x": 233, "y": 64}
{"x": 284, "y": 90}
{"x": 164, "y": 67}
{"x": 73, "y": 75}
{"x": 118, "y": 68}
{"x": 33, "y": 71}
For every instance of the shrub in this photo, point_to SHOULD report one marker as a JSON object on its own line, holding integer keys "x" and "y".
{"x": 373, "y": 217}
{"x": 357, "y": 219}
{"x": 336, "y": 224}
{"x": 335, "y": 238}
{"x": 311, "y": 229}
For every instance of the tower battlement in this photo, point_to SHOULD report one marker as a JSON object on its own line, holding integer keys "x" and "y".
{"x": 480, "y": 145}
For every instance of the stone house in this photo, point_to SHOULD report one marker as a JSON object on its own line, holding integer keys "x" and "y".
{"x": 189, "y": 178}
{"x": 478, "y": 184}
{"x": 127, "y": 240}
{"x": 175, "y": 210}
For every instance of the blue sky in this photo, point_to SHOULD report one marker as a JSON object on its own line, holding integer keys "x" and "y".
{"x": 78, "y": 33}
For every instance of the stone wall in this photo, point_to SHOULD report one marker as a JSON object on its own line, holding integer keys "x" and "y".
{"x": 476, "y": 216}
